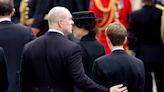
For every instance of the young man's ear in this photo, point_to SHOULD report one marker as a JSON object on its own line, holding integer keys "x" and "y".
{"x": 12, "y": 13}
{"x": 125, "y": 41}
{"x": 109, "y": 42}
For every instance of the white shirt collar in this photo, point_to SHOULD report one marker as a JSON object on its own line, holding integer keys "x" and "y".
{"x": 117, "y": 48}
{"x": 5, "y": 19}
{"x": 54, "y": 30}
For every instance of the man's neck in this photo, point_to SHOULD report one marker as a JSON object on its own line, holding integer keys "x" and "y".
{"x": 4, "y": 18}
{"x": 117, "y": 48}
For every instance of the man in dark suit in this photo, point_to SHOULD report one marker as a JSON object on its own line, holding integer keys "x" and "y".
{"x": 12, "y": 40}
{"x": 52, "y": 63}
{"x": 119, "y": 67}
{"x": 144, "y": 40}
{"x": 3, "y": 72}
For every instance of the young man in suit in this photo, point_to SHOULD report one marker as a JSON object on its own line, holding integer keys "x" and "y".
{"x": 52, "y": 63}
{"x": 118, "y": 67}
{"x": 145, "y": 40}
{"x": 12, "y": 40}
{"x": 3, "y": 72}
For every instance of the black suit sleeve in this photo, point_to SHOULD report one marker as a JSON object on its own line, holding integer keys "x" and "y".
{"x": 32, "y": 7}
{"x": 132, "y": 28}
{"x": 142, "y": 77}
{"x": 77, "y": 71}
{"x": 41, "y": 9}
{"x": 25, "y": 82}
{"x": 3, "y": 72}
{"x": 97, "y": 75}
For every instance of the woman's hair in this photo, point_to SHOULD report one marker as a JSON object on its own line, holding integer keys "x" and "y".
{"x": 87, "y": 24}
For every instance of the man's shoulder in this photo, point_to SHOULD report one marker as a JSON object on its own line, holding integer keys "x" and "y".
{"x": 137, "y": 60}
{"x": 102, "y": 59}
{"x": 19, "y": 26}
{"x": 68, "y": 42}
{"x": 135, "y": 13}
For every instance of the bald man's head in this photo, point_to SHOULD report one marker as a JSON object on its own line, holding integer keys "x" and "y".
{"x": 57, "y": 13}
{"x": 60, "y": 18}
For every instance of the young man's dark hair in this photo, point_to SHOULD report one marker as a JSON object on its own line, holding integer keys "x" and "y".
{"x": 6, "y": 7}
{"x": 117, "y": 33}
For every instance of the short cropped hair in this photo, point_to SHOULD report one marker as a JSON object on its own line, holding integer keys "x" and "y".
{"x": 117, "y": 33}
{"x": 6, "y": 7}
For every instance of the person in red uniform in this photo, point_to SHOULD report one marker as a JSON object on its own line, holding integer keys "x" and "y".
{"x": 110, "y": 11}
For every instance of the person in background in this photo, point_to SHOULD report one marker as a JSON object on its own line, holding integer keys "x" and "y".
{"x": 136, "y": 4}
{"x": 13, "y": 37}
{"x": 3, "y": 72}
{"x": 110, "y": 11}
{"x": 85, "y": 30}
{"x": 118, "y": 67}
{"x": 145, "y": 40}
{"x": 16, "y": 16}
{"x": 52, "y": 63}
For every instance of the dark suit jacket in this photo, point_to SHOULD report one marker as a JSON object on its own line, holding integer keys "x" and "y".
{"x": 13, "y": 37}
{"x": 144, "y": 34}
{"x": 3, "y": 72}
{"x": 117, "y": 68}
{"x": 91, "y": 49}
{"x": 52, "y": 62}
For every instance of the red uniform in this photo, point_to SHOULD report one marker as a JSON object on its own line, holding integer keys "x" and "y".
{"x": 110, "y": 11}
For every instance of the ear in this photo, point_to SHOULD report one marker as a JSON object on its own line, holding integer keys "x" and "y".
{"x": 12, "y": 13}
{"x": 126, "y": 39}
{"x": 109, "y": 42}
{"x": 60, "y": 23}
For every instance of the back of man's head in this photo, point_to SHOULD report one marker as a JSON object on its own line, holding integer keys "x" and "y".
{"x": 116, "y": 33}
{"x": 6, "y": 7}
{"x": 56, "y": 13}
